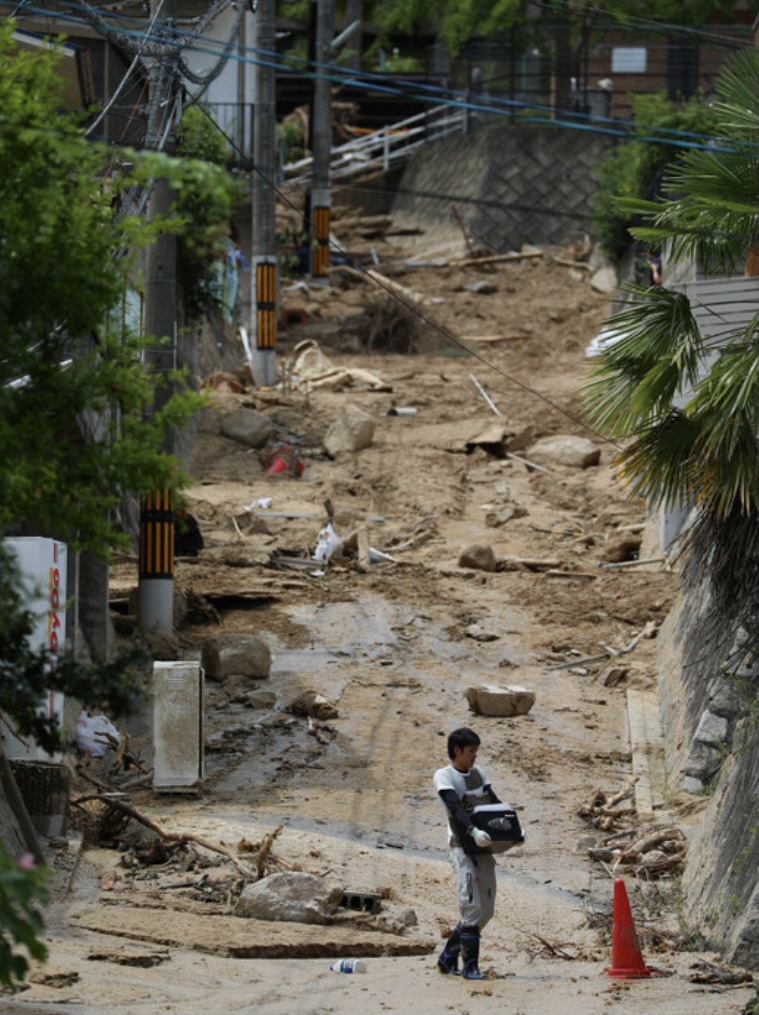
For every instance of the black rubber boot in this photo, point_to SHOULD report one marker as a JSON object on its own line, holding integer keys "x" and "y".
{"x": 449, "y": 957}
{"x": 470, "y": 953}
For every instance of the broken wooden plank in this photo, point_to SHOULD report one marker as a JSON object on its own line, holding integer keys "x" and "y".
{"x": 581, "y": 575}
{"x": 531, "y": 563}
{"x": 496, "y": 258}
{"x": 579, "y": 662}
{"x": 493, "y": 339}
{"x": 632, "y": 563}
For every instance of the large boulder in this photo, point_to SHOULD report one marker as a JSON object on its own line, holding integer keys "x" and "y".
{"x": 353, "y": 430}
{"x": 229, "y": 655}
{"x": 251, "y": 428}
{"x": 290, "y": 896}
{"x": 489, "y": 699}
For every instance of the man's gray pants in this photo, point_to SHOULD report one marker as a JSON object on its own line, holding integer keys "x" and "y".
{"x": 475, "y": 886}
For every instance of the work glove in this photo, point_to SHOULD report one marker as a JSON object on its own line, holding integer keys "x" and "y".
{"x": 481, "y": 838}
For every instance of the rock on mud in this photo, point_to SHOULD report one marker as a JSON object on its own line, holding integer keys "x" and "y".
{"x": 290, "y": 896}
{"x": 311, "y": 703}
{"x": 227, "y": 655}
{"x": 489, "y": 699}
{"x": 248, "y": 427}
{"x": 565, "y": 449}
{"x": 479, "y": 557}
{"x": 353, "y": 430}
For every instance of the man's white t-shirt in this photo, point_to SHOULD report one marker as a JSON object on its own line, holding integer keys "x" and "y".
{"x": 470, "y": 787}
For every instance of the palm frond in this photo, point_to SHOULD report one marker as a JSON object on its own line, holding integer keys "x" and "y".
{"x": 655, "y": 465}
{"x": 659, "y": 355}
{"x": 738, "y": 88}
{"x": 726, "y": 408}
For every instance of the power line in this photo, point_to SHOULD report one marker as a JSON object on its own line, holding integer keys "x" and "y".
{"x": 423, "y": 92}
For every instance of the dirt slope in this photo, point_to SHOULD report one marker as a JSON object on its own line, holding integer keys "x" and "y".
{"x": 393, "y": 646}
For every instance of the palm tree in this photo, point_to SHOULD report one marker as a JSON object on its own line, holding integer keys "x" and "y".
{"x": 687, "y": 411}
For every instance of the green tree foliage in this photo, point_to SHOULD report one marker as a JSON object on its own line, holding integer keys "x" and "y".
{"x": 203, "y": 207}
{"x": 633, "y": 169}
{"x": 462, "y": 20}
{"x": 457, "y": 20}
{"x": 78, "y": 424}
{"x": 74, "y": 395}
{"x": 689, "y": 414}
{"x": 22, "y": 894}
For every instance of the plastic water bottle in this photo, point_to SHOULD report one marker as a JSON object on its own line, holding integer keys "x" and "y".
{"x": 348, "y": 966}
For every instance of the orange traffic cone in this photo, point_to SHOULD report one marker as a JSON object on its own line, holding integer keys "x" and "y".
{"x": 626, "y": 959}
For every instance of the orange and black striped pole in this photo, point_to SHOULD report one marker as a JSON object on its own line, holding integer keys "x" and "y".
{"x": 266, "y": 305}
{"x": 264, "y": 322}
{"x": 320, "y": 226}
{"x": 156, "y": 561}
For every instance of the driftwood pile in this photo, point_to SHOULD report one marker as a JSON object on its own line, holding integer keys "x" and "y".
{"x": 650, "y": 854}
{"x": 104, "y": 814}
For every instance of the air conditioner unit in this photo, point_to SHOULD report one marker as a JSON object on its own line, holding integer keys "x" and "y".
{"x": 177, "y": 727}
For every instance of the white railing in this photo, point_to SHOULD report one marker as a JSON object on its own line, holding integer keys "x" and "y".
{"x": 382, "y": 148}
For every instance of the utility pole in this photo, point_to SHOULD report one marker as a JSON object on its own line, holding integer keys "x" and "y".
{"x": 321, "y": 139}
{"x": 156, "y": 557}
{"x": 264, "y": 251}
{"x": 355, "y": 13}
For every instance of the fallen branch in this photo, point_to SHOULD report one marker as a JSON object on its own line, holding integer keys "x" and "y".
{"x": 710, "y": 972}
{"x": 265, "y": 849}
{"x": 557, "y": 951}
{"x": 132, "y": 812}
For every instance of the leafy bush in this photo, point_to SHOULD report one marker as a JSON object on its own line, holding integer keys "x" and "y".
{"x": 22, "y": 893}
{"x": 662, "y": 132}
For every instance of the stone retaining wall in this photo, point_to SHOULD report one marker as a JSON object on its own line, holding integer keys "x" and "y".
{"x": 512, "y": 185}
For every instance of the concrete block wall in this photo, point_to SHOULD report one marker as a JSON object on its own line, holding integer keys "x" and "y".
{"x": 513, "y": 185}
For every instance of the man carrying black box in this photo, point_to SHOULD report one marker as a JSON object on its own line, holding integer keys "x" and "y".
{"x": 462, "y": 786}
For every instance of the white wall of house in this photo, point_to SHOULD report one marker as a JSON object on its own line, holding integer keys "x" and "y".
{"x": 723, "y": 306}
{"x": 229, "y": 97}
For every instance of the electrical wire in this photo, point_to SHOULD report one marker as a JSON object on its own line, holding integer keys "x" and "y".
{"x": 336, "y": 74}
{"x": 120, "y": 87}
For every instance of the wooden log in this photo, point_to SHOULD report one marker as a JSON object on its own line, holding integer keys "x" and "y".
{"x": 651, "y": 841}
{"x": 492, "y": 339}
{"x": 495, "y": 259}
{"x": 531, "y": 563}
{"x": 583, "y": 575}
{"x": 381, "y": 280}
